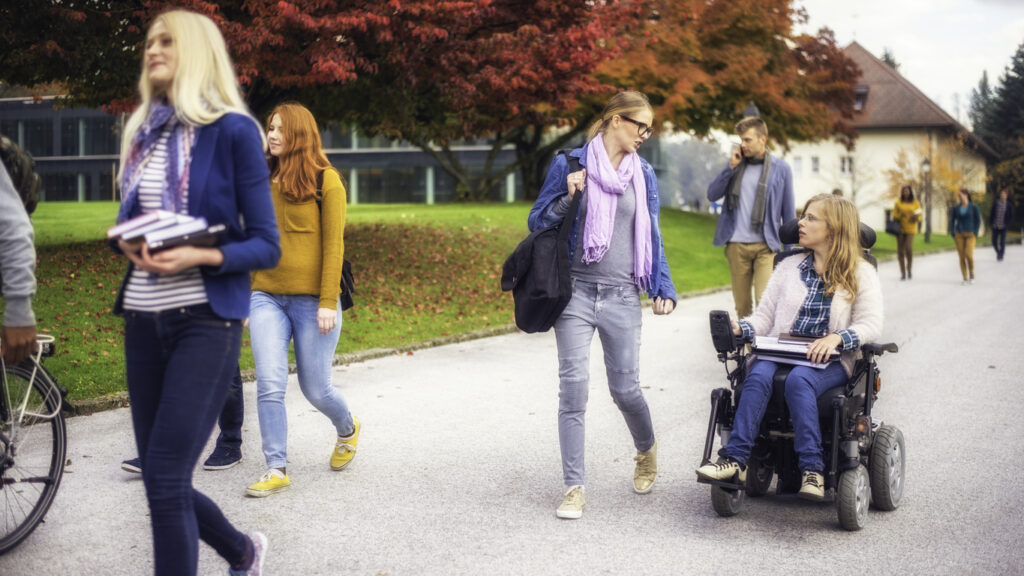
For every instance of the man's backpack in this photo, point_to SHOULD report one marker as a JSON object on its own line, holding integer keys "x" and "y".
{"x": 348, "y": 283}
{"x": 21, "y": 168}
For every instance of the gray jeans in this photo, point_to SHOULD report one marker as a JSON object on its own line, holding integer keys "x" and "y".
{"x": 616, "y": 314}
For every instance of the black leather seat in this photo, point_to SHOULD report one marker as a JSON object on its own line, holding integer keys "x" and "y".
{"x": 789, "y": 234}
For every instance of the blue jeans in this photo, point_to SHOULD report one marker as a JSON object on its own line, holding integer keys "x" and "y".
{"x": 178, "y": 365}
{"x": 999, "y": 241}
{"x": 231, "y": 416}
{"x": 614, "y": 311}
{"x": 274, "y": 320}
{"x": 803, "y": 386}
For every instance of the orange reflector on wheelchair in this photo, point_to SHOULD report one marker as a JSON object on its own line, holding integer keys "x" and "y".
{"x": 863, "y": 425}
{"x": 878, "y": 383}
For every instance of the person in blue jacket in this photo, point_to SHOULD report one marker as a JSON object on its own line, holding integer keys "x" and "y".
{"x": 617, "y": 254}
{"x": 192, "y": 147}
{"x": 964, "y": 225}
{"x": 758, "y": 192}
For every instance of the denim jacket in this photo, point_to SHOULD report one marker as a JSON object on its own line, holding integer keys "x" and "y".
{"x": 543, "y": 215}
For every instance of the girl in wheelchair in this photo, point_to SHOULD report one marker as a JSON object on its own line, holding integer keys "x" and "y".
{"x": 828, "y": 293}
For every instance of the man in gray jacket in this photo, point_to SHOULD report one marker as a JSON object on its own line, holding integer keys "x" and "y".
{"x": 758, "y": 191}
{"x": 17, "y": 271}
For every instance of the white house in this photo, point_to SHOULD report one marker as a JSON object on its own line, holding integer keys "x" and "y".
{"x": 893, "y": 119}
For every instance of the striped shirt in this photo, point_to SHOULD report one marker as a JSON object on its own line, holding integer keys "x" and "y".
{"x": 148, "y": 292}
{"x": 812, "y": 320}
{"x": 999, "y": 222}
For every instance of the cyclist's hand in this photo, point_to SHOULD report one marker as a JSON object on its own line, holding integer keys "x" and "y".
{"x": 326, "y": 319}
{"x": 18, "y": 343}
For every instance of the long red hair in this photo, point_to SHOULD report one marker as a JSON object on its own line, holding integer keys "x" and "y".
{"x": 303, "y": 156}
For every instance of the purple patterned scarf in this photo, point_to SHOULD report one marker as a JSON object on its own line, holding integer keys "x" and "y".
{"x": 604, "y": 186}
{"x": 179, "y": 153}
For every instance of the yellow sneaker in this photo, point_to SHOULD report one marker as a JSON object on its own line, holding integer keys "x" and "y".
{"x": 345, "y": 449}
{"x": 646, "y": 470}
{"x": 272, "y": 482}
{"x": 572, "y": 504}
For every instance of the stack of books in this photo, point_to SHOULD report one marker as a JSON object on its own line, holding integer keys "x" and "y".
{"x": 788, "y": 349}
{"x": 161, "y": 230}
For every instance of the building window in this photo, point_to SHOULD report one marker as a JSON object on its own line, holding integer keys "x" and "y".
{"x": 798, "y": 165}
{"x": 860, "y": 98}
{"x": 815, "y": 165}
{"x": 846, "y": 165}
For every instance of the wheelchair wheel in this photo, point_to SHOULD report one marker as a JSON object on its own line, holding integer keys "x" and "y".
{"x": 853, "y": 496}
{"x": 726, "y": 503}
{"x": 888, "y": 465}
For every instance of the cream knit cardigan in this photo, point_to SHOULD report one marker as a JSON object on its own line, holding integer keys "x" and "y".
{"x": 785, "y": 294}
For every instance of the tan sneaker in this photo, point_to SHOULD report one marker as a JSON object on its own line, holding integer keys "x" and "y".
{"x": 345, "y": 449}
{"x": 572, "y": 504}
{"x": 646, "y": 470}
{"x": 724, "y": 469}
{"x": 813, "y": 487}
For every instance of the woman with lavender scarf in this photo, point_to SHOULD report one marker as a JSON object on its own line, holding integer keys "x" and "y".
{"x": 617, "y": 253}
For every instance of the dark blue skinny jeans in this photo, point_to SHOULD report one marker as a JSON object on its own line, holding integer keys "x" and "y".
{"x": 179, "y": 364}
{"x": 803, "y": 386}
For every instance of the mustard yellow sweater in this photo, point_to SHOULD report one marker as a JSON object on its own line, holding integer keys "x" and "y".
{"x": 312, "y": 245}
{"x": 907, "y": 214}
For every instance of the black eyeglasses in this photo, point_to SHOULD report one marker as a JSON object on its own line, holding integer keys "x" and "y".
{"x": 642, "y": 130}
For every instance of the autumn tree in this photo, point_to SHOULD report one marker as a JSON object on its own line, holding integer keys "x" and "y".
{"x": 701, "y": 62}
{"x": 432, "y": 73}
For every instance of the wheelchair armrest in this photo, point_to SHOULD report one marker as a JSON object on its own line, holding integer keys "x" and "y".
{"x": 879, "y": 349}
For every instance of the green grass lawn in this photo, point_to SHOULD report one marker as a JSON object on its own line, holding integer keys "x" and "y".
{"x": 421, "y": 272}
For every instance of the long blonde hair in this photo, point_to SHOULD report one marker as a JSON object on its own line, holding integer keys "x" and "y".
{"x": 844, "y": 254}
{"x": 204, "y": 87}
{"x": 623, "y": 104}
{"x": 303, "y": 157}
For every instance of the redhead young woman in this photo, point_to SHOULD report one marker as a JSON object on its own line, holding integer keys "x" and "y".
{"x": 830, "y": 294}
{"x": 617, "y": 254}
{"x": 298, "y": 301}
{"x": 191, "y": 147}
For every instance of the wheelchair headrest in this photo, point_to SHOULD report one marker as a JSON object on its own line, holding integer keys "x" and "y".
{"x": 790, "y": 234}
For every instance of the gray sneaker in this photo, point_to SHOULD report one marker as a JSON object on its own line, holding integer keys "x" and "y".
{"x": 813, "y": 487}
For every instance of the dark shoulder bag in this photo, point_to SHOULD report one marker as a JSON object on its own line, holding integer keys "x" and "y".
{"x": 537, "y": 271}
{"x": 348, "y": 285}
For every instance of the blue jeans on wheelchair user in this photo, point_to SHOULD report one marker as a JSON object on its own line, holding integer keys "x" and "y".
{"x": 274, "y": 320}
{"x": 178, "y": 364}
{"x": 803, "y": 386}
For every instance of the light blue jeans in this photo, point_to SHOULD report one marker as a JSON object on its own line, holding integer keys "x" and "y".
{"x": 274, "y": 320}
{"x": 614, "y": 311}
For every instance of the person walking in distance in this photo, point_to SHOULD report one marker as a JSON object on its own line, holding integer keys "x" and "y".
{"x": 907, "y": 213}
{"x": 964, "y": 225}
{"x": 617, "y": 253}
{"x": 758, "y": 192}
{"x": 191, "y": 147}
{"x": 999, "y": 219}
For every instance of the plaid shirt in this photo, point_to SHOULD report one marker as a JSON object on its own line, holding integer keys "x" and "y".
{"x": 812, "y": 320}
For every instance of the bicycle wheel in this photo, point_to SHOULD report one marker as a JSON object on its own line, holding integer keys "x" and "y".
{"x": 33, "y": 445}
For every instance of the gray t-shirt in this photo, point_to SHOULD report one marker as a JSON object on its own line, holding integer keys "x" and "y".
{"x": 616, "y": 268}
{"x": 748, "y": 193}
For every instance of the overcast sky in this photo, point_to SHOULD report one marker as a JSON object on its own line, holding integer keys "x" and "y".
{"x": 942, "y": 46}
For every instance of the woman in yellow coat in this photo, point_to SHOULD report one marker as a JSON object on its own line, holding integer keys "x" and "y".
{"x": 906, "y": 213}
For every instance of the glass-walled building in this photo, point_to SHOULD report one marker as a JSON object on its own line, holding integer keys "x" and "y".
{"x": 77, "y": 154}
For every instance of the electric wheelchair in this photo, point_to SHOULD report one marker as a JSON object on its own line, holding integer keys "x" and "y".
{"x": 864, "y": 458}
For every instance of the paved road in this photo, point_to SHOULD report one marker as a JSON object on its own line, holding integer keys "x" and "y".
{"x": 458, "y": 468}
